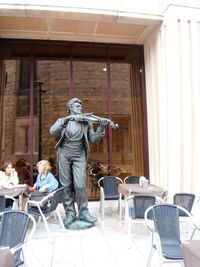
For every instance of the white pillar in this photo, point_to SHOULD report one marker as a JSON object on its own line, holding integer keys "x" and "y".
{"x": 173, "y": 102}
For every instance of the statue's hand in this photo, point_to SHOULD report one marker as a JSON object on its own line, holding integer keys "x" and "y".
{"x": 65, "y": 120}
{"x": 103, "y": 123}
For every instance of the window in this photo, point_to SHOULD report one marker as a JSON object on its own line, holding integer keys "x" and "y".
{"x": 23, "y": 100}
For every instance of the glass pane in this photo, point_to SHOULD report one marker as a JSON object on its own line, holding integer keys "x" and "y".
{"x": 15, "y": 109}
{"x": 90, "y": 85}
{"x": 88, "y": 81}
{"x": 55, "y": 76}
{"x": 126, "y": 108}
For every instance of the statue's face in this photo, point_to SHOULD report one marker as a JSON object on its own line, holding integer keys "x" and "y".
{"x": 76, "y": 108}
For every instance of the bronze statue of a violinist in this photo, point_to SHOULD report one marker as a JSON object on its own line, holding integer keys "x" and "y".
{"x": 75, "y": 132}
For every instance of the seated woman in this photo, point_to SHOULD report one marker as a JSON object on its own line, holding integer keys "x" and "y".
{"x": 8, "y": 175}
{"x": 8, "y": 178}
{"x": 45, "y": 182}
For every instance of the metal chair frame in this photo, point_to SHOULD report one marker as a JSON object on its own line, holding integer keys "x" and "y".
{"x": 132, "y": 179}
{"x": 135, "y": 207}
{"x": 3, "y": 199}
{"x": 164, "y": 224}
{"x": 108, "y": 191}
{"x": 185, "y": 200}
{"x": 46, "y": 208}
{"x": 14, "y": 226}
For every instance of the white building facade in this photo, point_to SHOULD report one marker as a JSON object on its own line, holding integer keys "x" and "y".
{"x": 170, "y": 34}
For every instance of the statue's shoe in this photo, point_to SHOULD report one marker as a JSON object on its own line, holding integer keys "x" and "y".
{"x": 69, "y": 219}
{"x": 87, "y": 218}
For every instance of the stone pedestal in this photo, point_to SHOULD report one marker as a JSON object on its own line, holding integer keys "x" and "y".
{"x": 79, "y": 225}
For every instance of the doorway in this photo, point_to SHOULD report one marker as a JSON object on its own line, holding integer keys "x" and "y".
{"x": 108, "y": 79}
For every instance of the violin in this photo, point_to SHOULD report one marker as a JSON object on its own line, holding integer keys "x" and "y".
{"x": 93, "y": 118}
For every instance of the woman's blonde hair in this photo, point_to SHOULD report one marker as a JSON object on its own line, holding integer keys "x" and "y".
{"x": 45, "y": 163}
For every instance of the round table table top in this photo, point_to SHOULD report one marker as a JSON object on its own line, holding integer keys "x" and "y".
{"x": 191, "y": 253}
{"x": 136, "y": 189}
{"x": 13, "y": 191}
{"x": 6, "y": 258}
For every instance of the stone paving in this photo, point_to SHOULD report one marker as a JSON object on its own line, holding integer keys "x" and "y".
{"x": 106, "y": 244}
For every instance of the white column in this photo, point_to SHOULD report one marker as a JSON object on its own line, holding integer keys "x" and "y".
{"x": 172, "y": 63}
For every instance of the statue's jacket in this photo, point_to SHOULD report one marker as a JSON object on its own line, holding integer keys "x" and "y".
{"x": 58, "y": 130}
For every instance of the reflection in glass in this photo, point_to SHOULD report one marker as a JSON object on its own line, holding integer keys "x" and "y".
{"x": 92, "y": 84}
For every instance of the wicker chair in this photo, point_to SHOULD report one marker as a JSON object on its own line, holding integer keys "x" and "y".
{"x": 166, "y": 234}
{"x": 46, "y": 207}
{"x": 135, "y": 207}
{"x": 108, "y": 190}
{"x": 13, "y": 233}
{"x": 185, "y": 200}
{"x": 6, "y": 203}
{"x": 132, "y": 179}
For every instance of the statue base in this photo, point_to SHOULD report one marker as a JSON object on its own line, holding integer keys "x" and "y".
{"x": 79, "y": 225}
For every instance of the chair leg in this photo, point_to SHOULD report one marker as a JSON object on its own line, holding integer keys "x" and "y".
{"x": 120, "y": 206}
{"x": 101, "y": 208}
{"x": 129, "y": 231}
{"x": 24, "y": 264}
{"x": 60, "y": 219}
{"x": 158, "y": 247}
{"x": 55, "y": 217}
{"x": 150, "y": 258}
{"x": 154, "y": 245}
{"x": 45, "y": 223}
{"x": 39, "y": 220}
{"x": 126, "y": 217}
{"x": 193, "y": 232}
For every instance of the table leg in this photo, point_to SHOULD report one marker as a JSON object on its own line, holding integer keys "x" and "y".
{"x": 20, "y": 201}
{"x": 120, "y": 206}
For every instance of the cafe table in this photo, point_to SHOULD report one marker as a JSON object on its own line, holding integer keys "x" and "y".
{"x": 191, "y": 253}
{"x": 15, "y": 191}
{"x": 6, "y": 257}
{"x": 136, "y": 189}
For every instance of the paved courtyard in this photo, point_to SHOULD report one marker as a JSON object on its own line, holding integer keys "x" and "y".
{"x": 106, "y": 244}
